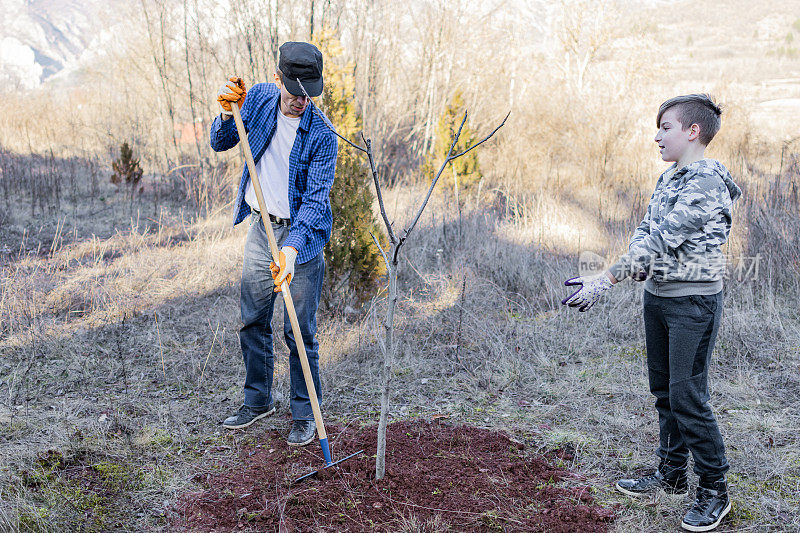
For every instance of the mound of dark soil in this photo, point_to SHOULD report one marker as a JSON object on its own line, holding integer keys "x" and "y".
{"x": 439, "y": 477}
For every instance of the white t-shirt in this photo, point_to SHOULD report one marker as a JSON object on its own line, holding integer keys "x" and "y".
{"x": 273, "y": 169}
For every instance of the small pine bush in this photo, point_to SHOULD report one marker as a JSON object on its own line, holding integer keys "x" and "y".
{"x": 126, "y": 168}
{"x": 465, "y": 169}
{"x": 354, "y": 265}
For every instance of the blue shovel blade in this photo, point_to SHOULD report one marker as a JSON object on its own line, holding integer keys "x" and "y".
{"x": 315, "y": 472}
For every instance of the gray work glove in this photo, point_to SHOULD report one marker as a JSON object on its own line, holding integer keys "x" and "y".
{"x": 591, "y": 289}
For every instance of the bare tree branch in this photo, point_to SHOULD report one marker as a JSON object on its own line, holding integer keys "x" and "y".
{"x": 380, "y": 248}
{"x": 448, "y": 159}
{"x": 378, "y": 193}
{"x": 484, "y": 139}
{"x": 325, "y": 120}
{"x": 433, "y": 183}
{"x": 370, "y": 157}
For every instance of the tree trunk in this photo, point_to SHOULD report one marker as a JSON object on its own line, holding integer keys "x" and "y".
{"x": 311, "y": 21}
{"x": 273, "y": 36}
{"x": 201, "y": 176}
{"x": 158, "y": 45}
{"x": 388, "y": 359}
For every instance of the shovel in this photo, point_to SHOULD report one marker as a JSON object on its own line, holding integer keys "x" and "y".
{"x": 287, "y": 299}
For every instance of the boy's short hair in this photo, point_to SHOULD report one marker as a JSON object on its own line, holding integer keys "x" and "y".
{"x": 697, "y": 109}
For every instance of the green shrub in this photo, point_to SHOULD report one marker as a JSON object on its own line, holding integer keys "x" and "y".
{"x": 354, "y": 265}
{"x": 464, "y": 170}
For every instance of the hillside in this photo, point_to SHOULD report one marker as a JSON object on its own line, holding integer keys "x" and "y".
{"x": 40, "y": 38}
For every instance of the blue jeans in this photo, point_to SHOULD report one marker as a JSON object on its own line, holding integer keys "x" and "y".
{"x": 680, "y": 333}
{"x": 257, "y": 303}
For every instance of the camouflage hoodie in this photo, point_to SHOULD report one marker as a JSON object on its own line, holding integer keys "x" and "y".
{"x": 688, "y": 219}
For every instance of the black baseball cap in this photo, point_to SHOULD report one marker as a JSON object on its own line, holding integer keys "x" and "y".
{"x": 303, "y": 61}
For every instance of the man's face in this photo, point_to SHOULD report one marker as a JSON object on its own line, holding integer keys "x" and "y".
{"x": 291, "y": 105}
{"x": 672, "y": 139}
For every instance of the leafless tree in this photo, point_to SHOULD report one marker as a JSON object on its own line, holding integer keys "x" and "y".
{"x": 584, "y": 29}
{"x": 191, "y": 98}
{"x": 156, "y": 24}
{"x": 392, "y": 259}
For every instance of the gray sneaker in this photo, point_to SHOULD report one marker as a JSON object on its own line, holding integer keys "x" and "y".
{"x": 710, "y": 506}
{"x": 246, "y": 416}
{"x": 670, "y": 476}
{"x": 302, "y": 433}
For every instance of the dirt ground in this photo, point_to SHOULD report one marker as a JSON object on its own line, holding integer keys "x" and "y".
{"x": 440, "y": 477}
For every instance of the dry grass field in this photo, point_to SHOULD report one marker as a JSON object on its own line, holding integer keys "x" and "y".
{"x": 120, "y": 356}
{"x": 119, "y": 318}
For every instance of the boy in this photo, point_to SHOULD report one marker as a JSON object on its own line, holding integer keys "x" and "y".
{"x": 677, "y": 249}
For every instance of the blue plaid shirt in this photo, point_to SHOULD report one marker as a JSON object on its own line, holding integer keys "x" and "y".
{"x": 312, "y": 163}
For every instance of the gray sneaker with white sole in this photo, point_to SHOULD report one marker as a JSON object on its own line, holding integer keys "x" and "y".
{"x": 710, "y": 506}
{"x": 302, "y": 433}
{"x": 246, "y": 416}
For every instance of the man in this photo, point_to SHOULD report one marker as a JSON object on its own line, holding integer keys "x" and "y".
{"x": 295, "y": 156}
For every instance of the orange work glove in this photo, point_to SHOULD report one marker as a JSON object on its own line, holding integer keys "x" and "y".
{"x": 233, "y": 91}
{"x": 286, "y": 270}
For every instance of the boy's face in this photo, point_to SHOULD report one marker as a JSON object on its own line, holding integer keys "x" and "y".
{"x": 672, "y": 139}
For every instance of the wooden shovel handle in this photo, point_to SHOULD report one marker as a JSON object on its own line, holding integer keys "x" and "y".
{"x": 287, "y": 296}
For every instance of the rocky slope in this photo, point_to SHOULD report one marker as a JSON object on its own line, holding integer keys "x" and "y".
{"x": 39, "y": 38}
